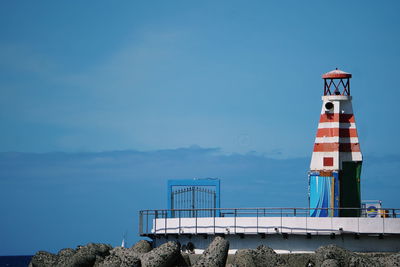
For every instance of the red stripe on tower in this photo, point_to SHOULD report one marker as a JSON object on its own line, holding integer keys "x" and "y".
{"x": 336, "y": 117}
{"x": 337, "y": 132}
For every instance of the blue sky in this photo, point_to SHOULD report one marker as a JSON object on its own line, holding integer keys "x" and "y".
{"x": 242, "y": 79}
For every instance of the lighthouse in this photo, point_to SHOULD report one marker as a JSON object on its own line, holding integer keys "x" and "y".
{"x": 334, "y": 176}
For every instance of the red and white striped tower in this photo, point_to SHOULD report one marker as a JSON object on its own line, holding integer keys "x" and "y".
{"x": 337, "y": 139}
{"x": 336, "y": 151}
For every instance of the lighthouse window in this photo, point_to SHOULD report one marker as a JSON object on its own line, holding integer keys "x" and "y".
{"x": 328, "y": 161}
{"x": 329, "y": 105}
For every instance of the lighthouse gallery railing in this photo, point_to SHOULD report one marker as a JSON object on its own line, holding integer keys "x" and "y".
{"x": 148, "y": 218}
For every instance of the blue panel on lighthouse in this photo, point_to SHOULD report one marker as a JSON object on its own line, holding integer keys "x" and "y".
{"x": 323, "y": 195}
{"x": 336, "y": 194}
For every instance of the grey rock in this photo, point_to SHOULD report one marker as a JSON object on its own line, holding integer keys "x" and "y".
{"x": 389, "y": 260}
{"x": 115, "y": 261}
{"x": 215, "y": 255}
{"x": 298, "y": 259}
{"x": 124, "y": 252}
{"x": 162, "y": 256}
{"x": 110, "y": 261}
{"x": 120, "y": 256}
{"x": 331, "y": 263}
{"x": 66, "y": 252}
{"x": 98, "y": 261}
{"x": 266, "y": 256}
{"x": 101, "y": 250}
{"x": 361, "y": 261}
{"x": 43, "y": 259}
{"x": 193, "y": 257}
{"x": 143, "y": 246}
{"x": 64, "y": 257}
{"x": 333, "y": 252}
{"x": 84, "y": 256}
{"x": 244, "y": 258}
{"x": 262, "y": 256}
{"x": 347, "y": 258}
{"x": 80, "y": 259}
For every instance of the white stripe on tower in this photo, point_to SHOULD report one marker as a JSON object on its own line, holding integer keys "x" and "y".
{"x": 339, "y": 125}
{"x": 345, "y": 140}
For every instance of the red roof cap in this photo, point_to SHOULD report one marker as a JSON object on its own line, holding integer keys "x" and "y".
{"x": 336, "y": 74}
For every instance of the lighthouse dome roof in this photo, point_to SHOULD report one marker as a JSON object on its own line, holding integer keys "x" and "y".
{"x": 336, "y": 74}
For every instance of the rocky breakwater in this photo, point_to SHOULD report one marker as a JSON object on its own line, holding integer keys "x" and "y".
{"x": 88, "y": 255}
{"x": 216, "y": 255}
{"x": 331, "y": 255}
{"x": 141, "y": 254}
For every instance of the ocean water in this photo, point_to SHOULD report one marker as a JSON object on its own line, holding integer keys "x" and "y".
{"x": 15, "y": 261}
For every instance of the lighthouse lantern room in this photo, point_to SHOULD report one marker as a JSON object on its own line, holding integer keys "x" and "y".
{"x": 334, "y": 177}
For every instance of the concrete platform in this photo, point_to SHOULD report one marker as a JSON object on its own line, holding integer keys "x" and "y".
{"x": 283, "y": 234}
{"x": 274, "y": 225}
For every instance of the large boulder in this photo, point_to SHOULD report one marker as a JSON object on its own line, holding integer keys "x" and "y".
{"x": 119, "y": 256}
{"x": 341, "y": 255}
{"x": 244, "y": 258}
{"x": 261, "y": 256}
{"x": 333, "y": 255}
{"x": 389, "y": 260}
{"x": 266, "y": 256}
{"x": 143, "y": 246}
{"x": 83, "y": 256}
{"x": 163, "y": 256}
{"x": 43, "y": 259}
{"x": 215, "y": 255}
{"x": 88, "y": 255}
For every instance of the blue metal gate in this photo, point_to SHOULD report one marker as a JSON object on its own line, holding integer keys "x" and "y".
{"x": 194, "y": 198}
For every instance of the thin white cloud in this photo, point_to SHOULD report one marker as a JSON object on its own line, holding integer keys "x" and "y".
{"x": 22, "y": 58}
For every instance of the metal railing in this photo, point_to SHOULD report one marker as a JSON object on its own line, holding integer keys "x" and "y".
{"x": 147, "y": 218}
